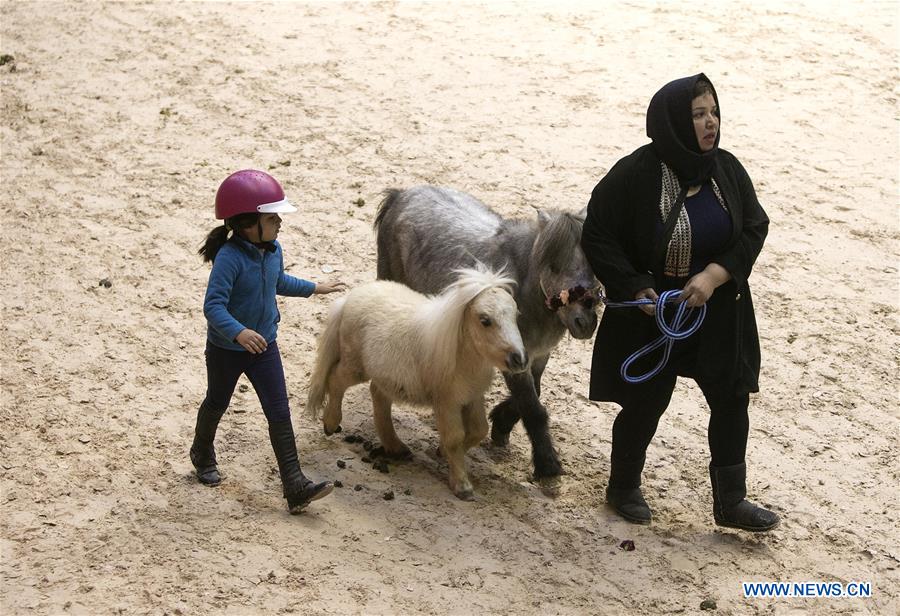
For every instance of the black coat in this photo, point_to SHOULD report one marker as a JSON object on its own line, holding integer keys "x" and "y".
{"x": 619, "y": 240}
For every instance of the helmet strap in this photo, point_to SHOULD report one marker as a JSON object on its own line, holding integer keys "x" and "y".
{"x": 262, "y": 245}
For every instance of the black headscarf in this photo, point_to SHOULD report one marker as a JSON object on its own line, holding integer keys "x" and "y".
{"x": 671, "y": 127}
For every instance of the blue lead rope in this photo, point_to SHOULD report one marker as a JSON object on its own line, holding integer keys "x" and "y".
{"x": 670, "y": 332}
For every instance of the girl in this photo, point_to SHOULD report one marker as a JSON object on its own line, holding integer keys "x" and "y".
{"x": 242, "y": 315}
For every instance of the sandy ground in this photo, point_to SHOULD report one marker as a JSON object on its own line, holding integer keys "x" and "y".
{"x": 120, "y": 119}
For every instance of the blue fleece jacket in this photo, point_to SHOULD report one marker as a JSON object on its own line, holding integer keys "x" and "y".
{"x": 241, "y": 292}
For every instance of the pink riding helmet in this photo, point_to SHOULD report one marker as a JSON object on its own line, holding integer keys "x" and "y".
{"x": 249, "y": 192}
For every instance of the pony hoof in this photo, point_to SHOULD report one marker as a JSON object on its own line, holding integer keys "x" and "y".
{"x": 403, "y": 454}
{"x": 548, "y": 469}
{"x": 400, "y": 454}
{"x": 499, "y": 436}
{"x": 330, "y": 432}
{"x": 550, "y": 486}
{"x": 500, "y": 440}
{"x": 466, "y": 495}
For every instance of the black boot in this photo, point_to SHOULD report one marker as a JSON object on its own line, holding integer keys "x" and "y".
{"x": 203, "y": 454}
{"x": 729, "y": 486}
{"x": 298, "y": 490}
{"x": 623, "y": 492}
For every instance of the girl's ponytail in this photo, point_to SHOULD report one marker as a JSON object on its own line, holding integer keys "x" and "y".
{"x": 218, "y": 236}
{"x": 214, "y": 241}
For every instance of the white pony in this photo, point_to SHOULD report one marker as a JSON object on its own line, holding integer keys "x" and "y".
{"x": 437, "y": 351}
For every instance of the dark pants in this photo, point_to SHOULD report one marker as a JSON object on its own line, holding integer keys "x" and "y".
{"x": 645, "y": 403}
{"x": 266, "y": 374}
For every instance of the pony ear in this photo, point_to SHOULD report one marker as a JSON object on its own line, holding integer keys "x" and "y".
{"x": 543, "y": 218}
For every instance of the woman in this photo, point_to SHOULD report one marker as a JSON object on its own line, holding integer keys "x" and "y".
{"x": 679, "y": 213}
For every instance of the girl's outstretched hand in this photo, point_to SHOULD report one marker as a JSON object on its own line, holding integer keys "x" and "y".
{"x": 251, "y": 341}
{"x": 329, "y": 287}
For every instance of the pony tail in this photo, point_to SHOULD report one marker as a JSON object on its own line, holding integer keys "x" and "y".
{"x": 327, "y": 355}
{"x": 390, "y": 198}
{"x": 213, "y": 243}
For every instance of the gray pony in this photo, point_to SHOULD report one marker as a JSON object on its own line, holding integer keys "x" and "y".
{"x": 426, "y": 232}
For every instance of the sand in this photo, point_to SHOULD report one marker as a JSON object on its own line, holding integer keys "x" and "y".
{"x": 119, "y": 120}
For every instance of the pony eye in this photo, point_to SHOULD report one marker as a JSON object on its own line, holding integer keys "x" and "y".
{"x": 486, "y": 321}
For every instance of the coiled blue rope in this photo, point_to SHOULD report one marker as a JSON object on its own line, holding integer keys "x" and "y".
{"x": 677, "y": 330}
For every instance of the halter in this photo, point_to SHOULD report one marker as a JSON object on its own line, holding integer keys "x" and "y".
{"x": 573, "y": 295}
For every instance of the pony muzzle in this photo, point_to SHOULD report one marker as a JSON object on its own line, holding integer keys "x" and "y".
{"x": 582, "y": 325}
{"x": 516, "y": 361}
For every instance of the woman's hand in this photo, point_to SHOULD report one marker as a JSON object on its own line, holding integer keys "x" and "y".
{"x": 700, "y": 287}
{"x": 649, "y": 309}
{"x": 329, "y": 287}
{"x": 251, "y": 341}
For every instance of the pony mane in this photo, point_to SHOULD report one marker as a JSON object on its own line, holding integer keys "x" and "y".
{"x": 558, "y": 240}
{"x": 442, "y": 316}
